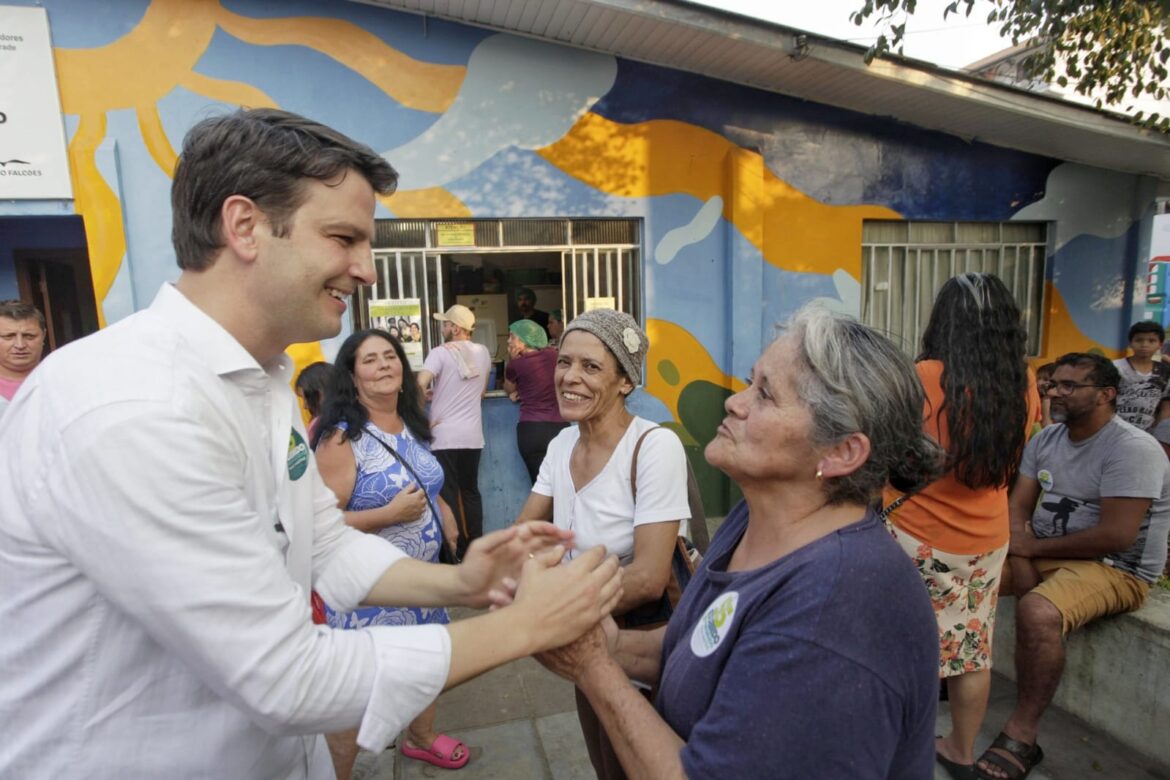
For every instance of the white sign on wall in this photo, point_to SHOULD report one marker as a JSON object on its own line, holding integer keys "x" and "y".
{"x": 33, "y": 160}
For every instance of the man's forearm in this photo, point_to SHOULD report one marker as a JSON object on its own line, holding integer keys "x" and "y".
{"x": 1096, "y": 542}
{"x": 411, "y": 583}
{"x": 485, "y": 642}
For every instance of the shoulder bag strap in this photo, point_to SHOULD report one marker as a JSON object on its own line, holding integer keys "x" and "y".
{"x": 634, "y": 462}
{"x": 681, "y": 556}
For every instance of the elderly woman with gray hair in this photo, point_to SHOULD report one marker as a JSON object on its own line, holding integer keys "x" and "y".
{"x": 585, "y": 485}
{"x": 805, "y": 646}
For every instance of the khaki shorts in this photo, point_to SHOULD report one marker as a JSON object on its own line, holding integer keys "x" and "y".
{"x": 1084, "y": 590}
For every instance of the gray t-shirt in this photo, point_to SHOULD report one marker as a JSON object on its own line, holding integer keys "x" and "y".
{"x": 1139, "y": 394}
{"x": 1118, "y": 461}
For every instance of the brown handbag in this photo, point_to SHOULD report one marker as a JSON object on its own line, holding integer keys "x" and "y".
{"x": 684, "y": 559}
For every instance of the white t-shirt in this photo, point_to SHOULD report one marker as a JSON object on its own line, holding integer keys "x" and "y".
{"x": 603, "y": 511}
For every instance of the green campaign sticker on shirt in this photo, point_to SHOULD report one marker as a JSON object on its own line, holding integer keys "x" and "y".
{"x": 298, "y": 455}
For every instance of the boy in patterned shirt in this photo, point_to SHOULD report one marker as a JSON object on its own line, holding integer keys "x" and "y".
{"x": 1142, "y": 399}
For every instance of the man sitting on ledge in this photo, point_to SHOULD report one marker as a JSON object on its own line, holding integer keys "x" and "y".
{"x": 1089, "y": 518}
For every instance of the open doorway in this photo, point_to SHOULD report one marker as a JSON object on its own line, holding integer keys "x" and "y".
{"x": 566, "y": 265}
{"x": 59, "y": 283}
{"x": 44, "y": 261}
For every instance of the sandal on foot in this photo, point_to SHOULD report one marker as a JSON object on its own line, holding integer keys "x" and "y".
{"x": 440, "y": 753}
{"x": 1028, "y": 757}
{"x": 955, "y": 769}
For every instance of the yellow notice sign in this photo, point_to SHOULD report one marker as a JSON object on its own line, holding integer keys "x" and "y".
{"x": 455, "y": 234}
{"x": 600, "y": 303}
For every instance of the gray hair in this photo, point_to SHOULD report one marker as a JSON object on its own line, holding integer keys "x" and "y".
{"x": 855, "y": 380}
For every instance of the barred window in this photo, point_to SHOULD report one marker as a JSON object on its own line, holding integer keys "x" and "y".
{"x": 903, "y": 265}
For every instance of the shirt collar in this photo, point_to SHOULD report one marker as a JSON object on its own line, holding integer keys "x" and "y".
{"x": 210, "y": 342}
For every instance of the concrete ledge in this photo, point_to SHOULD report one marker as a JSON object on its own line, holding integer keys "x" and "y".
{"x": 1117, "y": 673}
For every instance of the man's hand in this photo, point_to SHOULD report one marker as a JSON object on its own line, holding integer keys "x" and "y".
{"x": 1022, "y": 576}
{"x": 493, "y": 563}
{"x": 559, "y": 603}
{"x": 554, "y": 605}
{"x": 1022, "y": 542}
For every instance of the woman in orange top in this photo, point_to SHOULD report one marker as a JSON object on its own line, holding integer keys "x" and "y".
{"x": 981, "y": 402}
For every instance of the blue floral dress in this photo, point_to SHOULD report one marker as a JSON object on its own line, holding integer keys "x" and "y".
{"x": 379, "y": 478}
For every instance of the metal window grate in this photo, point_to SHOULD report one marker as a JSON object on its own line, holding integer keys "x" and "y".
{"x": 605, "y": 231}
{"x": 507, "y": 233}
{"x": 903, "y": 265}
{"x": 400, "y": 233}
{"x": 536, "y": 232}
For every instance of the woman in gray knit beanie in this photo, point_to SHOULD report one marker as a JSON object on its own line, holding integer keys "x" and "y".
{"x": 620, "y": 334}
{"x": 584, "y": 483}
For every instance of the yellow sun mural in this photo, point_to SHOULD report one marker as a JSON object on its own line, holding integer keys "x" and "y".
{"x": 172, "y": 36}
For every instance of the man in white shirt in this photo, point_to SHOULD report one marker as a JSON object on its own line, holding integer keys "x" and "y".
{"x": 162, "y": 521}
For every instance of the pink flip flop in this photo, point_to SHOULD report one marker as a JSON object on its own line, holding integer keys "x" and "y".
{"x": 439, "y": 753}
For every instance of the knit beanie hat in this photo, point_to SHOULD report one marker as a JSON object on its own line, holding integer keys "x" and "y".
{"x": 530, "y": 333}
{"x": 620, "y": 333}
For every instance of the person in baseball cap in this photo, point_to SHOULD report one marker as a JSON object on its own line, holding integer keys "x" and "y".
{"x": 458, "y": 315}
{"x": 456, "y": 376}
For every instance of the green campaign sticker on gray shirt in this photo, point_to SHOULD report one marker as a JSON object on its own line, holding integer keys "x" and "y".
{"x": 298, "y": 455}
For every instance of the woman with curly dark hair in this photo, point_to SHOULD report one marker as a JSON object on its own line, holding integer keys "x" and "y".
{"x": 372, "y": 451}
{"x": 981, "y": 402}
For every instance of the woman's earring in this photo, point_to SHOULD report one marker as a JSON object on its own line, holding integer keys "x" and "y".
{"x": 819, "y": 473}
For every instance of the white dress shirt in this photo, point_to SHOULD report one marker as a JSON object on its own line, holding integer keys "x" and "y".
{"x": 161, "y": 524}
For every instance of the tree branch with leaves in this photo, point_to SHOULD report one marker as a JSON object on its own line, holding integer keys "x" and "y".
{"x": 1111, "y": 51}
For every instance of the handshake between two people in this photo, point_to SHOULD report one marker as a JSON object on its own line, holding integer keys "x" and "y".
{"x": 536, "y": 603}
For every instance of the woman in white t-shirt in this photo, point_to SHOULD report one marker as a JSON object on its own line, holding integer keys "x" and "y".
{"x": 584, "y": 483}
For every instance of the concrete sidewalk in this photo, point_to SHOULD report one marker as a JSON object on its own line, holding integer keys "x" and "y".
{"x": 521, "y": 724}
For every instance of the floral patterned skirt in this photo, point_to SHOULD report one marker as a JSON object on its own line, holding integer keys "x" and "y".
{"x": 964, "y": 590}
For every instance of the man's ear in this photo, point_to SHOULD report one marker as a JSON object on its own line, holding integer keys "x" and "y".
{"x": 844, "y": 457}
{"x": 241, "y": 219}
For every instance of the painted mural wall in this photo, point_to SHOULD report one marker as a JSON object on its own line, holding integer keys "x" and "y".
{"x": 752, "y": 203}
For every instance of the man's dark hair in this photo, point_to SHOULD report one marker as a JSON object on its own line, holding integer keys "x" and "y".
{"x": 1102, "y": 372}
{"x": 22, "y": 310}
{"x": 263, "y": 154}
{"x": 1147, "y": 326}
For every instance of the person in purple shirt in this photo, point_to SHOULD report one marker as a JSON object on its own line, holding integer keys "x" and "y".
{"x": 528, "y": 379}
{"x": 456, "y": 374}
{"x": 805, "y": 646}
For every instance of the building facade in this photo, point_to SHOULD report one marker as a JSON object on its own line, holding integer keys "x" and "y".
{"x": 709, "y": 209}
